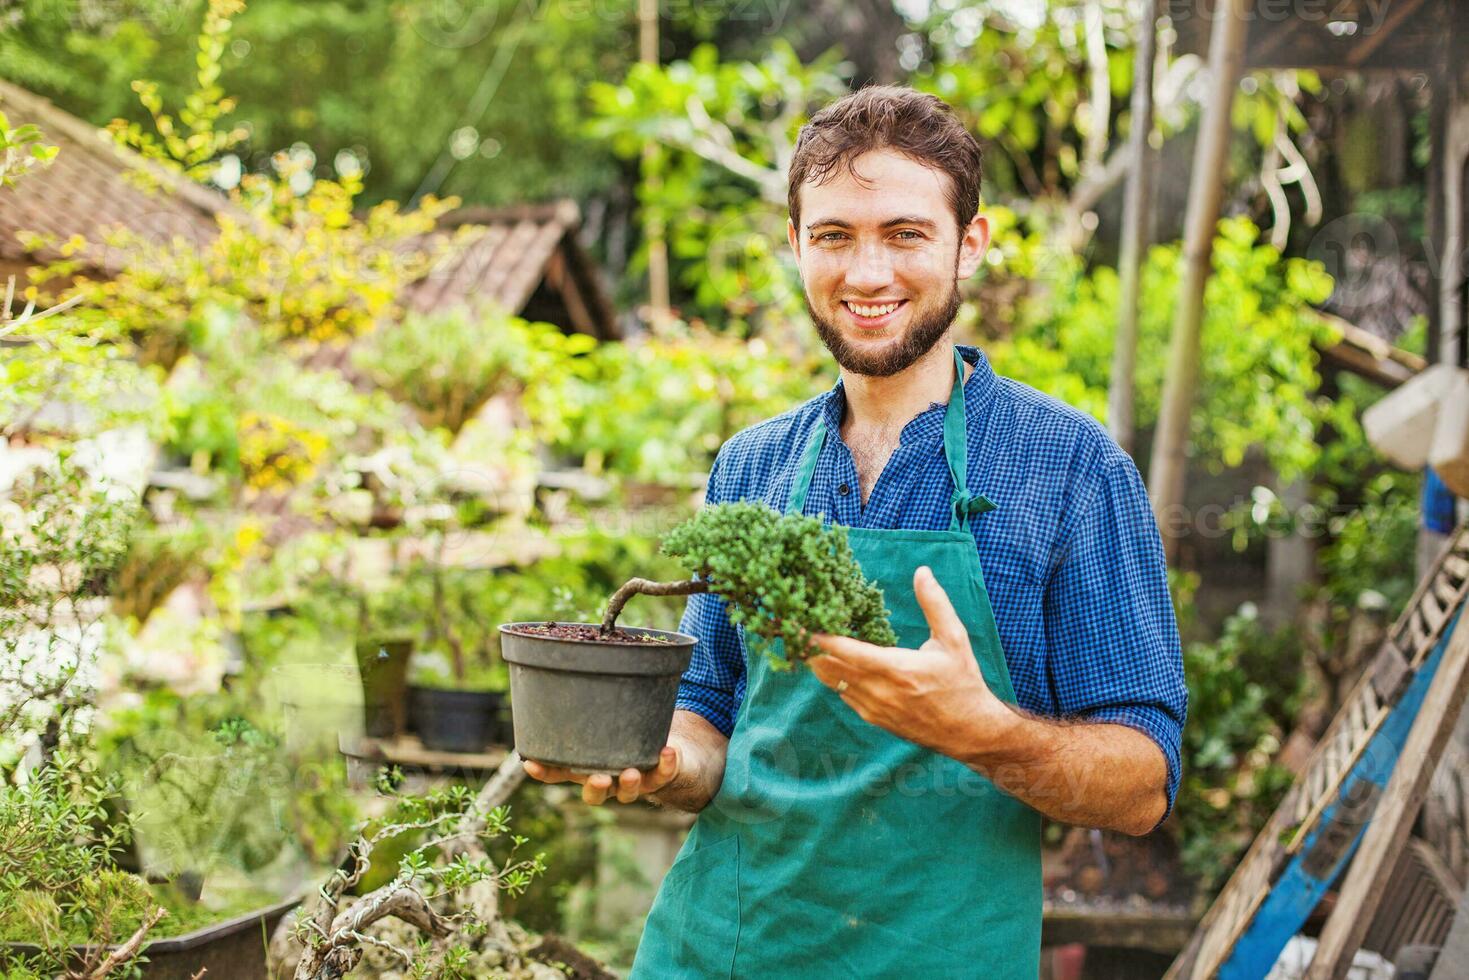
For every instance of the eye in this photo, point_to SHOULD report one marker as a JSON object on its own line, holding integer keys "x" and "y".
{"x": 830, "y": 236}
{"x": 909, "y": 235}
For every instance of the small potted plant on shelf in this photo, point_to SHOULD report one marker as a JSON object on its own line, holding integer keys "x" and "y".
{"x": 459, "y": 709}
{"x": 384, "y": 647}
{"x": 458, "y": 684}
{"x": 599, "y": 697}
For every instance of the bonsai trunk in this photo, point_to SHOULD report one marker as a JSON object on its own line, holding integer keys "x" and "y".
{"x": 642, "y": 586}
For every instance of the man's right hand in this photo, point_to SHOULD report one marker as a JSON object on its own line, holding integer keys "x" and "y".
{"x": 687, "y": 776}
{"x": 596, "y": 787}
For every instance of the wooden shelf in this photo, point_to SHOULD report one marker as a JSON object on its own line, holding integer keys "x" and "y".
{"x": 1158, "y": 929}
{"x": 408, "y": 752}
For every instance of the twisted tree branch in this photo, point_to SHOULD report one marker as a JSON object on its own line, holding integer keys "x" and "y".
{"x": 642, "y": 586}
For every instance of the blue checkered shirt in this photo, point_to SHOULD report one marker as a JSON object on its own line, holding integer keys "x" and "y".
{"x": 1071, "y": 556}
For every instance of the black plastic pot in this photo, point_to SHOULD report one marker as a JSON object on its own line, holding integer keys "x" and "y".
{"x": 234, "y": 949}
{"x": 459, "y": 721}
{"x": 383, "y": 666}
{"x": 593, "y": 706}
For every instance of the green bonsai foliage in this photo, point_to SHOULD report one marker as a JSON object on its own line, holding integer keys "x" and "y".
{"x": 59, "y": 884}
{"x": 785, "y": 576}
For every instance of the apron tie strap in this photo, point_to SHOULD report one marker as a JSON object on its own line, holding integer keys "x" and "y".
{"x": 968, "y": 504}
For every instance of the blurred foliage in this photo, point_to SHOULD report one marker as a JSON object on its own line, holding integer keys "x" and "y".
{"x": 62, "y": 535}
{"x": 213, "y": 793}
{"x": 1259, "y": 383}
{"x": 446, "y": 365}
{"x": 345, "y": 78}
{"x": 1244, "y": 691}
{"x": 657, "y": 409}
{"x": 722, "y": 137}
{"x": 1027, "y": 87}
{"x": 23, "y": 148}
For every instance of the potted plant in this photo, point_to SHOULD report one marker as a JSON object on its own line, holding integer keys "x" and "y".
{"x": 382, "y": 666}
{"x": 459, "y": 709}
{"x": 598, "y": 697}
{"x": 458, "y": 685}
{"x": 384, "y": 648}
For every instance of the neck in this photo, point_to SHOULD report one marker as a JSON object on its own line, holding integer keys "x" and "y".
{"x": 892, "y": 402}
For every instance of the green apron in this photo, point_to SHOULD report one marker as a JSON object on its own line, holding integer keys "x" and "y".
{"x": 834, "y": 848}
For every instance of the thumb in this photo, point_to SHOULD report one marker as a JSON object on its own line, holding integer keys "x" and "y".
{"x": 943, "y": 621}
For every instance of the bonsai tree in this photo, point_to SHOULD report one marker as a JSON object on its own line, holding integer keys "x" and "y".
{"x": 785, "y": 577}
{"x": 438, "y": 916}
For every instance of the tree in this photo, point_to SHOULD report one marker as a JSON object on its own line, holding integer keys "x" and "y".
{"x": 445, "y": 890}
{"x": 1206, "y": 191}
{"x": 785, "y": 576}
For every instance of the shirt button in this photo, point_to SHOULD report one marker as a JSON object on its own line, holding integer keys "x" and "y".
{"x": 844, "y": 489}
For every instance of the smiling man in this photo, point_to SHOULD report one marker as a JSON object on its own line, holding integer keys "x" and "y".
{"x": 879, "y": 814}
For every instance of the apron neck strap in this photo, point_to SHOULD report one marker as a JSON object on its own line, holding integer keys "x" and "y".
{"x": 956, "y": 453}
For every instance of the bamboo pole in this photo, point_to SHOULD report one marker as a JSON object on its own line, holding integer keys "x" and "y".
{"x": 1206, "y": 192}
{"x": 659, "y": 295}
{"x": 1452, "y": 272}
{"x": 1137, "y": 210}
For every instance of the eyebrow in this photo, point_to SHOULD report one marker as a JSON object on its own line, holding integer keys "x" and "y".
{"x": 907, "y": 219}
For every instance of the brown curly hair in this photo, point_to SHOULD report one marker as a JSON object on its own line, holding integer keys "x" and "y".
{"x": 920, "y": 126}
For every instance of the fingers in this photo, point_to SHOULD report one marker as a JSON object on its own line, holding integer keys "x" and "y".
{"x": 832, "y": 670}
{"x": 548, "y": 774}
{"x": 668, "y": 765}
{"x": 596, "y": 788}
{"x": 858, "y": 656}
{"x": 943, "y": 622}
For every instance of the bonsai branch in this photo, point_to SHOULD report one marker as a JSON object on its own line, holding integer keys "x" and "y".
{"x": 331, "y": 937}
{"x": 129, "y": 949}
{"x": 642, "y": 586}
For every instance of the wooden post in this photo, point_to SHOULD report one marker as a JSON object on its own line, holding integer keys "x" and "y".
{"x": 1455, "y": 253}
{"x": 1206, "y": 191}
{"x": 1136, "y": 212}
{"x": 659, "y": 296}
{"x": 1393, "y": 818}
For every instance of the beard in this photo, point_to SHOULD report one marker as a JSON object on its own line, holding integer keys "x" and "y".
{"x": 928, "y": 328}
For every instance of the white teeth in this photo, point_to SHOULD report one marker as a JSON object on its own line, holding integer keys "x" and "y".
{"x": 883, "y": 310}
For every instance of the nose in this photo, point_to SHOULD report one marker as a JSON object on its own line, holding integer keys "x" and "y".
{"x": 871, "y": 270}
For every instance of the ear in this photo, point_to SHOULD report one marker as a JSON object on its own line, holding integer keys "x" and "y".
{"x": 794, "y": 238}
{"x": 972, "y": 245}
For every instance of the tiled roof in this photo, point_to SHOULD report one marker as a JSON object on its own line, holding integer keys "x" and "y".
{"x": 85, "y": 190}
{"x": 514, "y": 251}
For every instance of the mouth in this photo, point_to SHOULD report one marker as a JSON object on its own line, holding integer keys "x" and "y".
{"x": 873, "y": 316}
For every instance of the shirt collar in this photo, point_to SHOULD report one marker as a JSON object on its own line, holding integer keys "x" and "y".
{"x": 927, "y": 425}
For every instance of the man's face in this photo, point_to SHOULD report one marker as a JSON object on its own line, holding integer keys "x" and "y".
{"x": 881, "y": 257}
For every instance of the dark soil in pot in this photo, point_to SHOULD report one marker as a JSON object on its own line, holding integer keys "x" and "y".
{"x": 459, "y": 721}
{"x": 591, "y": 704}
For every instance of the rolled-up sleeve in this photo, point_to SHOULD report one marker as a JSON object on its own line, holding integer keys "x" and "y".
{"x": 714, "y": 683}
{"x": 1113, "y": 652}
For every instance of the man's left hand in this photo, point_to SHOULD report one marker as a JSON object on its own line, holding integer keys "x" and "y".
{"x": 934, "y": 696}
